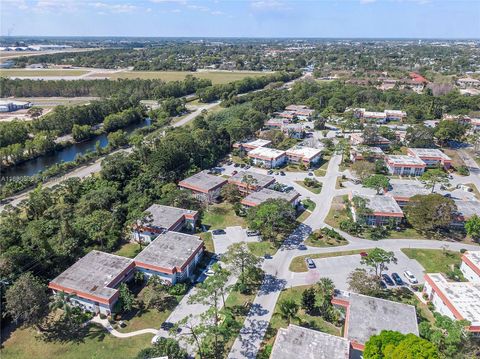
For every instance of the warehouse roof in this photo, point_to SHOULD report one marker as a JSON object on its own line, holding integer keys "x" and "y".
{"x": 167, "y": 216}
{"x": 265, "y": 152}
{"x": 381, "y": 205}
{"x": 202, "y": 182}
{"x": 256, "y": 179}
{"x": 256, "y": 198}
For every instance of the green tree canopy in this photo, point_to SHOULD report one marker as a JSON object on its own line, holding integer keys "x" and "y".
{"x": 432, "y": 212}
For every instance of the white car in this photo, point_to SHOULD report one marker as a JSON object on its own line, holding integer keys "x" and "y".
{"x": 411, "y": 278}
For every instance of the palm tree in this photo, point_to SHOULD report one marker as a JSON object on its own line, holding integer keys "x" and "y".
{"x": 287, "y": 310}
{"x": 62, "y": 301}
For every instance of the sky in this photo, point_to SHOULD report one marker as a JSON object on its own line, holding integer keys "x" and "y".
{"x": 243, "y": 18}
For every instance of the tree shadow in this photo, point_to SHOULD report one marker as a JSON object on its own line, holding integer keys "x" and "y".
{"x": 64, "y": 330}
{"x": 298, "y": 236}
{"x": 271, "y": 284}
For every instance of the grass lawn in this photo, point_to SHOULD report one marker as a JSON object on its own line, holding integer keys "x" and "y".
{"x": 298, "y": 263}
{"x": 309, "y": 204}
{"x": 315, "y": 190}
{"x": 220, "y": 216}
{"x": 303, "y": 216}
{"x": 409, "y": 233}
{"x": 318, "y": 239}
{"x": 434, "y": 260}
{"x": 208, "y": 241}
{"x": 311, "y": 321}
{"x": 41, "y": 72}
{"x": 453, "y": 154}
{"x": 261, "y": 248}
{"x": 97, "y": 343}
{"x": 323, "y": 165}
{"x": 217, "y": 77}
{"x": 337, "y": 212}
{"x": 129, "y": 250}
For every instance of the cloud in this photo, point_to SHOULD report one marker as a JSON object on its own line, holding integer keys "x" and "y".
{"x": 367, "y": 1}
{"x": 116, "y": 8}
{"x": 269, "y": 5}
{"x": 217, "y": 13}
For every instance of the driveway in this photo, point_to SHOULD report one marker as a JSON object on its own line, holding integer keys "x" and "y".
{"x": 339, "y": 268}
{"x": 232, "y": 235}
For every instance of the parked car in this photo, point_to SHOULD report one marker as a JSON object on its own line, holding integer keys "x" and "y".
{"x": 397, "y": 279}
{"x": 411, "y": 278}
{"x": 270, "y": 172}
{"x": 218, "y": 231}
{"x": 243, "y": 165}
{"x": 302, "y": 247}
{"x": 236, "y": 165}
{"x": 289, "y": 188}
{"x": 386, "y": 278}
{"x": 277, "y": 173}
{"x": 447, "y": 195}
{"x": 310, "y": 263}
{"x": 363, "y": 254}
{"x": 247, "y": 167}
{"x": 209, "y": 272}
{"x": 310, "y": 173}
{"x": 382, "y": 284}
{"x": 234, "y": 173}
{"x": 282, "y": 173}
{"x": 267, "y": 256}
{"x": 251, "y": 233}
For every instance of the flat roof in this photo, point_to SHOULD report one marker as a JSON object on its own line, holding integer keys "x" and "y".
{"x": 169, "y": 250}
{"x": 203, "y": 182}
{"x": 167, "y": 216}
{"x": 296, "y": 107}
{"x": 258, "y": 143}
{"x": 380, "y": 204}
{"x": 265, "y": 152}
{"x": 429, "y": 152}
{"x": 258, "y": 179}
{"x": 369, "y": 316}
{"x": 468, "y": 208}
{"x": 277, "y": 120}
{"x": 405, "y": 160}
{"x": 463, "y": 296}
{"x": 299, "y": 342}
{"x": 473, "y": 257}
{"x": 305, "y": 152}
{"x": 93, "y": 273}
{"x": 377, "y": 139}
{"x": 256, "y": 198}
{"x": 407, "y": 190}
{"x": 367, "y": 149}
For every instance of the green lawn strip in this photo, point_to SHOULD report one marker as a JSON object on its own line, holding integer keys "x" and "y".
{"x": 129, "y": 250}
{"x": 41, "y": 72}
{"x": 220, "y": 216}
{"x": 303, "y": 216}
{"x": 434, "y": 260}
{"x": 207, "y": 240}
{"x": 409, "y": 233}
{"x": 298, "y": 263}
{"x": 323, "y": 165}
{"x": 315, "y": 190}
{"x": 308, "y": 204}
{"x": 262, "y": 248}
{"x": 97, "y": 343}
{"x": 313, "y": 322}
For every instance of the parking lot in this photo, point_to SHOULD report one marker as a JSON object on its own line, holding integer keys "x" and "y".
{"x": 236, "y": 234}
{"x": 338, "y": 269}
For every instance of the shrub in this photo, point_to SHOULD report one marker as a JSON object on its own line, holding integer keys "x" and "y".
{"x": 178, "y": 289}
{"x": 463, "y": 170}
{"x": 350, "y": 226}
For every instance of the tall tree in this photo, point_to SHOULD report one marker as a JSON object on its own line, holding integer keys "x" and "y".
{"x": 362, "y": 282}
{"x": 472, "y": 226}
{"x": 377, "y": 259}
{"x": 287, "y": 310}
{"x": 433, "y": 177}
{"x": 377, "y": 182}
{"x": 240, "y": 260}
{"x": 432, "y": 212}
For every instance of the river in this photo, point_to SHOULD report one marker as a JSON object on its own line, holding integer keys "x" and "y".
{"x": 67, "y": 154}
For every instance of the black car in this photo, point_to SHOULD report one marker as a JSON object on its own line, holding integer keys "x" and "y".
{"x": 310, "y": 263}
{"x": 386, "y": 278}
{"x": 382, "y": 284}
{"x": 218, "y": 231}
{"x": 398, "y": 280}
{"x": 282, "y": 173}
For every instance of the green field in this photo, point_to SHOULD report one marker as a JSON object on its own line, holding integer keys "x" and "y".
{"x": 220, "y": 216}
{"x": 217, "y": 77}
{"x": 434, "y": 260}
{"x": 41, "y": 72}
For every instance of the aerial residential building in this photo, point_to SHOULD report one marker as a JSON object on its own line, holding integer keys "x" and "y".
{"x": 290, "y": 115}
{"x": 382, "y": 210}
{"x": 380, "y": 117}
{"x": 416, "y": 77}
{"x": 300, "y": 342}
{"x": 161, "y": 218}
{"x": 267, "y": 157}
{"x": 248, "y": 181}
{"x": 293, "y": 130}
{"x": 251, "y": 145}
{"x": 359, "y": 153}
{"x": 93, "y": 281}
{"x": 204, "y": 186}
{"x": 465, "y": 210}
{"x": 468, "y": 82}
{"x": 403, "y": 165}
{"x": 431, "y": 156}
{"x": 456, "y": 300}
{"x": 307, "y": 156}
{"x": 395, "y": 115}
{"x": 379, "y": 141}
{"x": 367, "y": 316}
{"x": 402, "y": 192}
{"x": 256, "y": 198}
{"x": 470, "y": 266}
{"x": 276, "y": 123}
{"x": 302, "y": 112}
{"x": 172, "y": 256}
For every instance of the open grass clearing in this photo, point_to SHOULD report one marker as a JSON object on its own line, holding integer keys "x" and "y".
{"x": 41, "y": 72}
{"x": 434, "y": 260}
{"x": 129, "y": 250}
{"x": 319, "y": 239}
{"x": 337, "y": 212}
{"x": 217, "y": 77}
{"x": 261, "y": 248}
{"x": 298, "y": 263}
{"x": 220, "y": 216}
{"x": 322, "y": 166}
{"x": 315, "y": 190}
